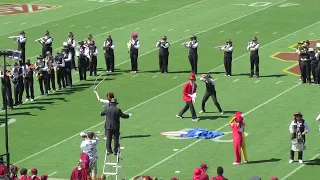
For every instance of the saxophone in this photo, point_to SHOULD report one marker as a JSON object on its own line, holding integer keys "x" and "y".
{"x": 39, "y": 72}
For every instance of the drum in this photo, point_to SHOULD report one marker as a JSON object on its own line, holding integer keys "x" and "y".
{"x": 297, "y": 145}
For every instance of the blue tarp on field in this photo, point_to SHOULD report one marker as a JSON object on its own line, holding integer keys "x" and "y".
{"x": 202, "y": 134}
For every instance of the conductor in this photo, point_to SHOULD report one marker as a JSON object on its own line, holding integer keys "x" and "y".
{"x": 112, "y": 125}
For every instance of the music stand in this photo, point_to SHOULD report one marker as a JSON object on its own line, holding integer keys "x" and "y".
{"x": 14, "y": 55}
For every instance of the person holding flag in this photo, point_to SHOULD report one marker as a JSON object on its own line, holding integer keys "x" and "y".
{"x": 238, "y": 114}
{"x": 189, "y": 96}
{"x": 237, "y": 127}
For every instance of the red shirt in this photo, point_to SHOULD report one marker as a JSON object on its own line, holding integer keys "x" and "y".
{"x": 188, "y": 89}
{"x": 218, "y": 177}
{"x": 3, "y": 170}
{"x": 203, "y": 176}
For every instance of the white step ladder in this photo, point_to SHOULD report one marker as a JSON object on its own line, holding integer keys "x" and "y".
{"x": 112, "y": 164}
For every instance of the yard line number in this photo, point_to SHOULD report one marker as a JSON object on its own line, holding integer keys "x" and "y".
{"x": 217, "y": 139}
{"x": 263, "y": 4}
{"x": 113, "y": 1}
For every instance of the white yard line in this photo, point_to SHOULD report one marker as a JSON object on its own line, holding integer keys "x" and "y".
{"x": 52, "y": 174}
{"x": 155, "y": 97}
{"x": 197, "y": 141}
{"x": 48, "y": 22}
{"x": 298, "y": 168}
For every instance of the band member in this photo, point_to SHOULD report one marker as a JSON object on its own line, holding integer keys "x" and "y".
{"x": 21, "y": 40}
{"x": 253, "y": 47}
{"x": 28, "y": 80}
{"x": 237, "y": 115}
{"x": 193, "y": 53}
{"x": 108, "y": 47}
{"x": 51, "y": 75}
{"x": 189, "y": 96}
{"x": 71, "y": 46}
{"x": 134, "y": 45}
{"x": 237, "y": 129}
{"x": 67, "y": 56}
{"x": 59, "y": 68}
{"x": 6, "y": 89}
{"x": 228, "y": 49}
{"x": 210, "y": 92}
{"x": 163, "y": 46}
{"x": 87, "y": 44}
{"x": 318, "y": 119}
{"x": 14, "y": 172}
{"x": 17, "y": 79}
{"x": 42, "y": 75}
{"x": 82, "y": 52}
{"x": 93, "y": 58}
{"x": 298, "y": 129}
{"x": 317, "y": 69}
{"x": 313, "y": 65}
{"x": 304, "y": 64}
{"x": 112, "y": 125}
{"x": 46, "y": 43}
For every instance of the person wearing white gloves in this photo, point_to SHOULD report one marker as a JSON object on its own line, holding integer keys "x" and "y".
{"x": 189, "y": 96}
{"x": 112, "y": 125}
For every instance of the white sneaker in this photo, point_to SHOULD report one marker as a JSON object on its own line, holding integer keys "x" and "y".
{"x": 201, "y": 111}
{"x": 300, "y": 161}
{"x": 195, "y": 120}
{"x": 245, "y": 161}
{"x": 27, "y": 99}
{"x": 290, "y": 161}
{"x": 222, "y": 112}
{"x": 235, "y": 163}
{"x": 134, "y": 71}
{"x": 32, "y": 100}
{"x": 131, "y": 71}
{"x": 178, "y": 116}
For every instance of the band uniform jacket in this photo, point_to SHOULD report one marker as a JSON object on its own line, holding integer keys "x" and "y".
{"x": 113, "y": 115}
{"x": 188, "y": 88}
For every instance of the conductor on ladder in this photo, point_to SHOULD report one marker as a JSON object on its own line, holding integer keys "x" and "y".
{"x": 112, "y": 125}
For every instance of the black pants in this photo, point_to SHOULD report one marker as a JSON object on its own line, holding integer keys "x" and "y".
{"x": 193, "y": 59}
{"x": 23, "y": 57}
{"x": 68, "y": 75}
{"x": 163, "y": 62}
{"x": 109, "y": 58}
{"x": 28, "y": 85}
{"x": 18, "y": 92}
{"x": 305, "y": 71}
{"x": 6, "y": 95}
{"x": 93, "y": 65}
{"x": 44, "y": 51}
{"x": 73, "y": 61}
{"x": 313, "y": 67}
{"x": 254, "y": 64}
{"x": 82, "y": 67}
{"x": 228, "y": 65}
{"x": 116, "y": 135}
{"x": 61, "y": 77}
{"x": 186, "y": 107}
{"x": 300, "y": 153}
{"x": 43, "y": 82}
{"x": 214, "y": 98}
{"x": 134, "y": 61}
{"x": 317, "y": 70}
{"x": 51, "y": 80}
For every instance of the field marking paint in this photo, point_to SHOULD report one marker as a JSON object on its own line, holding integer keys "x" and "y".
{"x": 239, "y": 32}
{"x": 221, "y": 31}
{"x": 154, "y": 29}
{"x": 55, "y": 25}
{"x": 21, "y": 24}
{"x": 215, "y": 79}
{"x": 7, "y": 23}
{"x": 187, "y": 30}
{"x": 154, "y": 77}
{"x": 275, "y": 33}
{"x": 195, "y": 142}
{"x": 278, "y": 82}
{"x": 104, "y": 27}
{"x": 175, "y": 77}
{"x": 240, "y": 4}
{"x": 137, "y": 29}
{"x": 155, "y": 97}
{"x": 235, "y": 80}
{"x": 311, "y": 33}
{"x": 72, "y": 25}
{"x": 298, "y": 168}
{"x": 135, "y": 76}
{"x": 52, "y": 174}
{"x": 256, "y": 32}
{"x": 170, "y": 29}
{"x": 10, "y": 121}
{"x": 48, "y": 22}
{"x": 87, "y": 27}
{"x": 257, "y": 81}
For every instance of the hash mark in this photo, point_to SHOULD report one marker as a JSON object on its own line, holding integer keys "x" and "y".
{"x": 170, "y": 29}
{"x": 154, "y": 77}
{"x": 221, "y": 31}
{"x": 236, "y": 80}
{"x": 257, "y": 81}
{"x": 22, "y": 23}
{"x": 278, "y": 82}
{"x": 256, "y": 32}
{"x": 275, "y": 33}
{"x": 175, "y": 77}
{"x": 137, "y": 28}
{"x": 135, "y": 75}
{"x": 55, "y": 25}
{"x": 72, "y": 25}
{"x": 7, "y": 22}
{"x": 154, "y": 29}
{"x": 215, "y": 79}
{"x": 187, "y": 30}
{"x": 311, "y": 33}
{"x": 87, "y": 27}
{"x": 238, "y": 32}
{"x": 104, "y": 27}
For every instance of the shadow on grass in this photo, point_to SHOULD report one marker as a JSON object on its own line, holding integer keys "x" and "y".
{"x": 134, "y": 136}
{"x": 264, "y": 161}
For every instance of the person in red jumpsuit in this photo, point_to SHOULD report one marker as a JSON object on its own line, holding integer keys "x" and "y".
{"x": 237, "y": 129}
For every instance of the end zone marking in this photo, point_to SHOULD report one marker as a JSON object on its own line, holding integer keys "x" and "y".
{"x": 257, "y": 81}
{"x": 72, "y": 25}
{"x": 298, "y": 168}
{"x": 278, "y": 82}
{"x": 170, "y": 29}
{"x": 235, "y": 80}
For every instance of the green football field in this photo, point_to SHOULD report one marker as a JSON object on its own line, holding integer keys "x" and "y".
{"x": 45, "y": 133}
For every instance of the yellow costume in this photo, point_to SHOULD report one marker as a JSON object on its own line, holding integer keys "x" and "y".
{"x": 243, "y": 145}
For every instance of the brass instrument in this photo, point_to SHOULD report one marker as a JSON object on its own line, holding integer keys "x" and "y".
{"x": 39, "y": 73}
{"x": 300, "y": 47}
{"x": 90, "y": 53}
{"x": 40, "y": 39}
{"x": 13, "y": 37}
{"x": 219, "y": 47}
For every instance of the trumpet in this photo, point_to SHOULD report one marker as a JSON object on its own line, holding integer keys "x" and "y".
{"x": 219, "y": 47}
{"x": 13, "y": 37}
{"x": 39, "y": 39}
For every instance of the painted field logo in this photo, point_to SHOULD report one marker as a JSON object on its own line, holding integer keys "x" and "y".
{"x": 292, "y": 57}
{"x": 6, "y": 9}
